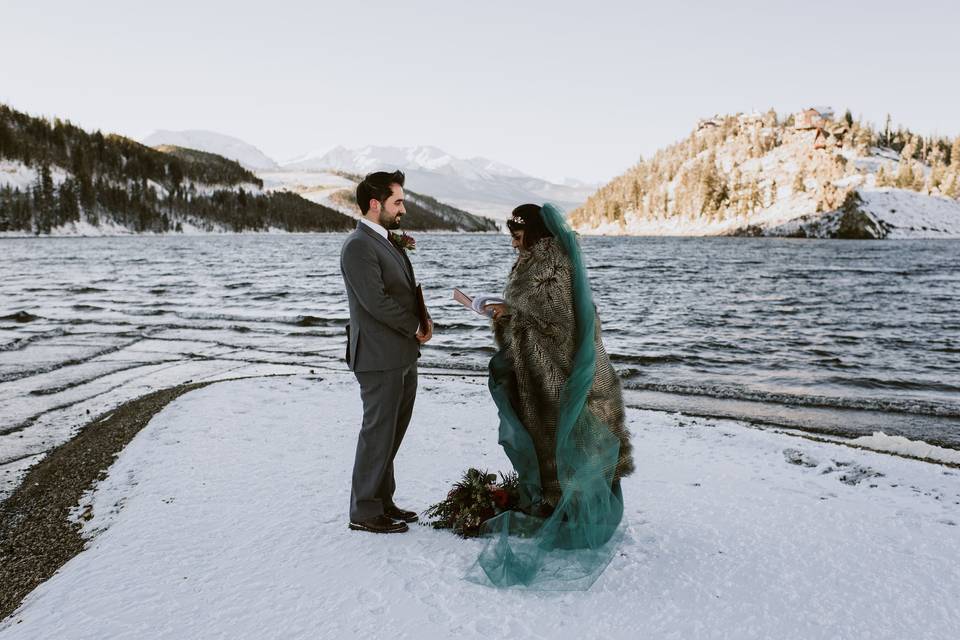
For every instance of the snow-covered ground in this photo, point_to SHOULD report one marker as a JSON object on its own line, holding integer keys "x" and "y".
{"x": 315, "y": 186}
{"x": 913, "y": 215}
{"x": 17, "y": 175}
{"x": 226, "y": 517}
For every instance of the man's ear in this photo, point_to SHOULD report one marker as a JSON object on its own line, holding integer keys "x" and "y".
{"x": 374, "y": 205}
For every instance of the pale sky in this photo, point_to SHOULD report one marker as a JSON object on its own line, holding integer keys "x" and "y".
{"x": 556, "y": 89}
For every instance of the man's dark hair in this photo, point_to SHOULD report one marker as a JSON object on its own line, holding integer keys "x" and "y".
{"x": 377, "y": 186}
{"x": 529, "y": 219}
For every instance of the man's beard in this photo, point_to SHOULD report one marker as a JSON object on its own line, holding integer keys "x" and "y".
{"x": 388, "y": 223}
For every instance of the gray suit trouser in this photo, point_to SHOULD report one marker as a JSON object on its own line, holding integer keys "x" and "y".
{"x": 388, "y": 398}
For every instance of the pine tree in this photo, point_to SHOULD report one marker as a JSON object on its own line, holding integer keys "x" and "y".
{"x": 68, "y": 207}
{"x": 951, "y": 185}
{"x": 905, "y": 173}
{"x": 799, "y": 185}
{"x": 756, "y": 196}
{"x": 770, "y": 119}
{"x": 44, "y": 201}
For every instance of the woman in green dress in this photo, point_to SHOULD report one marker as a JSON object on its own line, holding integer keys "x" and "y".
{"x": 561, "y": 416}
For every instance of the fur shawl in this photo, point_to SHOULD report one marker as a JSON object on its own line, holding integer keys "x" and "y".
{"x": 538, "y": 332}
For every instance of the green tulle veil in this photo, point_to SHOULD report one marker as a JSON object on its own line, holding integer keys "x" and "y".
{"x": 569, "y": 549}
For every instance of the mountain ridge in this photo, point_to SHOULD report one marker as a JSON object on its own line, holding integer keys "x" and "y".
{"x": 220, "y": 144}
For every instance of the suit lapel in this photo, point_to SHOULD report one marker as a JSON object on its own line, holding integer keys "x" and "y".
{"x": 397, "y": 254}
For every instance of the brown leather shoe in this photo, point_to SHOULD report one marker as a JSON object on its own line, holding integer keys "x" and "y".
{"x": 396, "y": 513}
{"x": 379, "y": 524}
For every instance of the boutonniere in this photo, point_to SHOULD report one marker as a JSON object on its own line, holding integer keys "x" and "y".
{"x": 403, "y": 242}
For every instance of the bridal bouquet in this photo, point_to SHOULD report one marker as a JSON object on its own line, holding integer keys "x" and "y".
{"x": 476, "y": 498}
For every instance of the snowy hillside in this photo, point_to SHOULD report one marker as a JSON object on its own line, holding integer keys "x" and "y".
{"x": 211, "y": 142}
{"x": 879, "y": 213}
{"x": 58, "y": 179}
{"x": 807, "y": 176}
{"x": 479, "y": 185}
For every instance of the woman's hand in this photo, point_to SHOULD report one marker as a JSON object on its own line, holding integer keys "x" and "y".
{"x": 499, "y": 310}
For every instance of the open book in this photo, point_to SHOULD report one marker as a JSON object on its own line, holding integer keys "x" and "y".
{"x": 478, "y": 302}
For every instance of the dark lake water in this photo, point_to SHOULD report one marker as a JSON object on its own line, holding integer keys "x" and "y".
{"x": 847, "y": 337}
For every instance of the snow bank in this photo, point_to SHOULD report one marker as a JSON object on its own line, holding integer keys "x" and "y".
{"x": 880, "y": 441}
{"x": 226, "y": 517}
{"x": 908, "y": 214}
{"x": 17, "y": 175}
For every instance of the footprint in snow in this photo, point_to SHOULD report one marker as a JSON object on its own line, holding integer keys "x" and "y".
{"x": 797, "y": 457}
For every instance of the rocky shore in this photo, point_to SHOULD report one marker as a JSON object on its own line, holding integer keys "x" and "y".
{"x": 36, "y": 534}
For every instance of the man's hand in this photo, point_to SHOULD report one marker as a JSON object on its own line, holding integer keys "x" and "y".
{"x": 499, "y": 310}
{"x": 425, "y": 337}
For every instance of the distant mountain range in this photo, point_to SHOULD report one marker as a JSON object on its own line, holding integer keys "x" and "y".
{"x": 479, "y": 185}
{"x": 57, "y": 179}
{"x": 806, "y": 175}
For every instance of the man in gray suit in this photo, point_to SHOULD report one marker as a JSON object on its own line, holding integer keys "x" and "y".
{"x": 383, "y": 344}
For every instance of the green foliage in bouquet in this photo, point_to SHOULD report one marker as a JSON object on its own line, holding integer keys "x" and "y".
{"x": 473, "y": 500}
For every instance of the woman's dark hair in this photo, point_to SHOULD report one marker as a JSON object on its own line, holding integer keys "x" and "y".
{"x": 529, "y": 219}
{"x": 377, "y": 186}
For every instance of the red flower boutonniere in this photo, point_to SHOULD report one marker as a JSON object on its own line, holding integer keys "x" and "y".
{"x": 403, "y": 242}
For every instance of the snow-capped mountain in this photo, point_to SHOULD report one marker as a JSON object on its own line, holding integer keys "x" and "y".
{"x": 424, "y": 158}
{"x": 211, "y": 142}
{"x": 479, "y": 185}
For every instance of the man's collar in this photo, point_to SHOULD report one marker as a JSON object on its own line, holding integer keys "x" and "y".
{"x": 376, "y": 227}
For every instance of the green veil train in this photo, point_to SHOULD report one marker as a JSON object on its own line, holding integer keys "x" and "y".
{"x": 569, "y": 549}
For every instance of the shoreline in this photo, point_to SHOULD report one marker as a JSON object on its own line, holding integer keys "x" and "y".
{"x": 833, "y": 422}
{"x": 7, "y": 235}
{"x": 37, "y": 536}
{"x": 11, "y": 235}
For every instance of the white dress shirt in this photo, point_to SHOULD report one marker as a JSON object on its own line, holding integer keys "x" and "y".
{"x": 376, "y": 227}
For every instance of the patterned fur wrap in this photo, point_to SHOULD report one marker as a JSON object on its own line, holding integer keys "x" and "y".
{"x": 538, "y": 333}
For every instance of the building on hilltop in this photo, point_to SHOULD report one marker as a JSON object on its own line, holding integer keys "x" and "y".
{"x": 706, "y": 124}
{"x": 813, "y": 118}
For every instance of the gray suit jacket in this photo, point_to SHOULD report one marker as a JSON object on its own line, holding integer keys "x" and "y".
{"x": 381, "y": 291}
